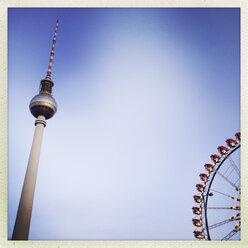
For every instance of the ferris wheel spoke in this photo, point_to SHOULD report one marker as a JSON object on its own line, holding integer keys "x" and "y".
{"x": 238, "y": 190}
{"x": 227, "y": 169}
{"x": 230, "y": 234}
{"x": 231, "y": 208}
{"x": 237, "y": 225}
{"x": 230, "y": 172}
{"x": 234, "y": 165}
{"x": 237, "y": 181}
{"x": 234, "y": 198}
{"x": 235, "y": 216}
{"x": 221, "y": 223}
{"x": 225, "y": 178}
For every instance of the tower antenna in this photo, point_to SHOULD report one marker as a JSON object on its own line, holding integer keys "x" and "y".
{"x": 52, "y": 52}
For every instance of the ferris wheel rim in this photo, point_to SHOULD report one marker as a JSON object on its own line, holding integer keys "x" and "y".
{"x": 209, "y": 187}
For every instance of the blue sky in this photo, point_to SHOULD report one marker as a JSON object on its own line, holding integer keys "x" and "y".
{"x": 144, "y": 97}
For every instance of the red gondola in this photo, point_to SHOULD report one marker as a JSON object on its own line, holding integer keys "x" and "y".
{"x": 204, "y": 177}
{"x": 197, "y": 222}
{"x": 197, "y": 198}
{"x": 196, "y": 210}
{"x": 209, "y": 167}
{"x": 200, "y": 188}
{"x": 199, "y": 235}
{"x": 231, "y": 142}
{"x": 223, "y": 150}
{"x": 237, "y": 135}
{"x": 215, "y": 158}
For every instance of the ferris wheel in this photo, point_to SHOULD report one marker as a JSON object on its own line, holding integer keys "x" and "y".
{"x": 217, "y": 210}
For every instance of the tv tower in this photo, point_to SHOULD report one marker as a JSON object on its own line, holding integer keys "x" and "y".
{"x": 43, "y": 106}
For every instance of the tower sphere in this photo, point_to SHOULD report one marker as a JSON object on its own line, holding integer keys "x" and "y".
{"x": 43, "y": 104}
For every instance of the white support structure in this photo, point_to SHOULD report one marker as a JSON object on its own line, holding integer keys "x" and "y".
{"x": 22, "y": 224}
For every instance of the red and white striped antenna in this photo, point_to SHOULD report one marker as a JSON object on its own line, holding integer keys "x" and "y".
{"x": 52, "y": 52}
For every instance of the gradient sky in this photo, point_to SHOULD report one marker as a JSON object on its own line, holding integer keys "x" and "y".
{"x": 144, "y": 97}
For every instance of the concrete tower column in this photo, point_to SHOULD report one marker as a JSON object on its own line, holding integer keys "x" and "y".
{"x": 43, "y": 107}
{"x": 22, "y": 224}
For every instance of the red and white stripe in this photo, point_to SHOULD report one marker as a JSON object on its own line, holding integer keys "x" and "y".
{"x": 52, "y": 52}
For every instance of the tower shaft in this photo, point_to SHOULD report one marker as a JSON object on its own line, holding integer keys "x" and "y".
{"x": 22, "y": 224}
